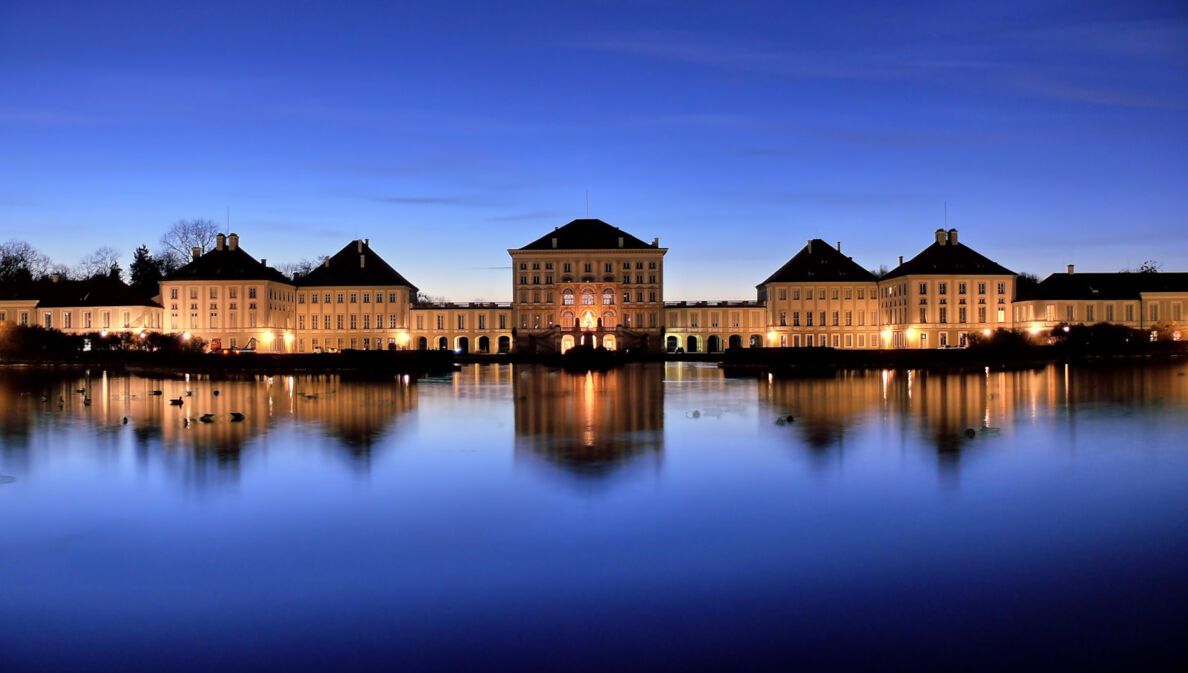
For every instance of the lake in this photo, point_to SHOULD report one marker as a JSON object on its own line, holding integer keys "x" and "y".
{"x": 657, "y": 517}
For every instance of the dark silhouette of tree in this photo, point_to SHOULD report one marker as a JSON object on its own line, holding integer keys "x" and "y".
{"x": 185, "y": 235}
{"x": 20, "y": 261}
{"x": 881, "y": 271}
{"x": 1024, "y": 282}
{"x": 1149, "y": 266}
{"x": 145, "y": 271}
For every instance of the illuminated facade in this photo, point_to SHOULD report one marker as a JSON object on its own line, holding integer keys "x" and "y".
{"x": 231, "y": 300}
{"x": 1148, "y": 301}
{"x": 942, "y": 295}
{"x": 590, "y": 283}
{"x": 99, "y": 304}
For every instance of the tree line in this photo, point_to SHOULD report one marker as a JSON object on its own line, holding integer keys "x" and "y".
{"x": 21, "y": 262}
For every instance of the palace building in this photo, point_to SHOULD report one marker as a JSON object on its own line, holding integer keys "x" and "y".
{"x": 591, "y": 283}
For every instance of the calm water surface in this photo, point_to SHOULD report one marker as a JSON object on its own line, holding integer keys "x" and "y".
{"x": 653, "y": 518}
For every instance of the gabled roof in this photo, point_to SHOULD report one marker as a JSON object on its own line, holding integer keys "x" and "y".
{"x": 819, "y": 262}
{"x": 587, "y": 234}
{"x": 344, "y": 268}
{"x": 1106, "y": 285}
{"x": 949, "y": 259}
{"x": 227, "y": 264}
{"x": 101, "y": 291}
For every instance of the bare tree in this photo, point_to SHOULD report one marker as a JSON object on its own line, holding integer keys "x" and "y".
{"x": 98, "y": 263}
{"x": 178, "y": 243}
{"x": 21, "y": 261}
{"x": 1149, "y": 266}
{"x": 881, "y": 271}
{"x": 295, "y": 270}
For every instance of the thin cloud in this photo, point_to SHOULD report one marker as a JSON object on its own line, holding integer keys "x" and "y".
{"x": 427, "y": 200}
{"x": 520, "y": 217}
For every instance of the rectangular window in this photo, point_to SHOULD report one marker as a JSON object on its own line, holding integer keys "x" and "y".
{"x": 808, "y": 319}
{"x": 1130, "y": 313}
{"x": 981, "y": 313}
{"x": 367, "y": 321}
{"x": 1070, "y": 313}
{"x": 354, "y": 298}
{"x": 502, "y": 321}
{"x": 942, "y": 288}
{"x": 944, "y": 315}
{"x": 338, "y": 321}
{"x": 924, "y": 288}
{"x": 251, "y": 293}
{"x": 849, "y": 318}
{"x": 796, "y": 295}
{"x": 326, "y": 322}
{"x": 366, "y": 297}
{"x": 924, "y": 315}
{"x": 960, "y": 288}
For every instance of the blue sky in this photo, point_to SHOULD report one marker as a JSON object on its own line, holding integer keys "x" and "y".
{"x": 448, "y": 132}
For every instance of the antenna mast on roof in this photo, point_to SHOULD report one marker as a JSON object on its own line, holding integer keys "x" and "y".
{"x": 946, "y": 214}
{"x": 587, "y": 204}
{"x": 228, "y": 220}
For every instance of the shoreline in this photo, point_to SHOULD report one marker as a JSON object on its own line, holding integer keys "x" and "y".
{"x": 738, "y": 362}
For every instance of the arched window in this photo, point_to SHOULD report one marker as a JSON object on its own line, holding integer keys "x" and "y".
{"x": 567, "y": 318}
{"x": 608, "y": 320}
{"x": 608, "y": 297}
{"x": 587, "y": 297}
{"x": 567, "y": 297}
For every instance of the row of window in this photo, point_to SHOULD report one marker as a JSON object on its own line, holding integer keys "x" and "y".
{"x": 480, "y": 320}
{"x": 567, "y": 297}
{"x": 835, "y": 322}
{"x": 233, "y": 293}
{"x": 1089, "y": 312}
{"x": 86, "y": 319}
{"x": 942, "y": 288}
{"x": 587, "y": 267}
{"x": 353, "y": 297}
{"x": 548, "y": 279}
{"x": 833, "y": 292}
{"x": 607, "y": 320}
{"x": 674, "y": 319}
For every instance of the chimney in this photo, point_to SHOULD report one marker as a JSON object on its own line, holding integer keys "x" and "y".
{"x": 55, "y": 278}
{"x": 327, "y": 263}
{"x": 220, "y": 242}
{"x": 264, "y": 262}
{"x": 656, "y": 242}
{"x": 196, "y": 251}
{"x": 1070, "y": 269}
{"x": 620, "y": 241}
{"x": 810, "y": 246}
{"x": 554, "y": 241}
{"x": 901, "y": 260}
{"x": 940, "y": 237}
{"x": 952, "y": 237}
{"x": 359, "y": 245}
{"x": 362, "y": 261}
{"x": 233, "y": 242}
{"x": 367, "y": 242}
{"x": 839, "y": 246}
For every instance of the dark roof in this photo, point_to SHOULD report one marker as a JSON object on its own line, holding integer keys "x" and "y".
{"x": 101, "y": 291}
{"x": 819, "y": 262}
{"x": 344, "y": 269}
{"x": 227, "y": 264}
{"x": 1106, "y": 285}
{"x": 949, "y": 259}
{"x": 588, "y": 234}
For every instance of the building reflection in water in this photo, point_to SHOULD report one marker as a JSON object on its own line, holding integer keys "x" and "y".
{"x": 589, "y": 424}
{"x": 206, "y": 436}
{"x": 956, "y": 413}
